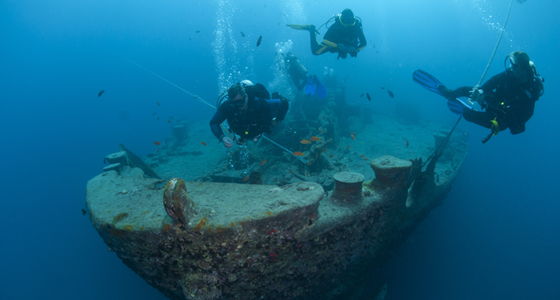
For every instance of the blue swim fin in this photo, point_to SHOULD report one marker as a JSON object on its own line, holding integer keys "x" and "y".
{"x": 428, "y": 81}
{"x": 321, "y": 91}
{"x": 310, "y": 87}
{"x": 313, "y": 87}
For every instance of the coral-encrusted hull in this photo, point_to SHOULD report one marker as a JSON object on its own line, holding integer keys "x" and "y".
{"x": 275, "y": 242}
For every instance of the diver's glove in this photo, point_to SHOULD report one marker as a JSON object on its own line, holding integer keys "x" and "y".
{"x": 227, "y": 141}
{"x": 353, "y": 51}
{"x": 276, "y": 95}
{"x": 477, "y": 95}
{"x": 343, "y": 50}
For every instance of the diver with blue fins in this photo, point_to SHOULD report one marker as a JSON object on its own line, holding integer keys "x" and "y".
{"x": 345, "y": 36}
{"x": 309, "y": 84}
{"x": 250, "y": 111}
{"x": 506, "y": 100}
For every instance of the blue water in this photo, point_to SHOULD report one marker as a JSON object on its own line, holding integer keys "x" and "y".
{"x": 494, "y": 237}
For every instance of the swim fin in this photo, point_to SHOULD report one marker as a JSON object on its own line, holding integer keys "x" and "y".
{"x": 428, "y": 81}
{"x": 313, "y": 87}
{"x": 321, "y": 90}
{"x": 310, "y": 87}
{"x": 302, "y": 27}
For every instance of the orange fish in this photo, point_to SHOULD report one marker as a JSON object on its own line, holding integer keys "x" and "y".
{"x": 305, "y": 142}
{"x": 166, "y": 227}
{"x": 201, "y": 223}
{"x": 246, "y": 178}
{"x": 315, "y": 138}
{"x": 297, "y": 153}
{"x": 157, "y": 143}
{"x": 263, "y": 162}
{"x": 353, "y": 136}
{"x": 203, "y": 143}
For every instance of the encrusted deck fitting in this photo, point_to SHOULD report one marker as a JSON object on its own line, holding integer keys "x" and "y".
{"x": 390, "y": 171}
{"x": 347, "y": 188}
{"x": 177, "y": 203}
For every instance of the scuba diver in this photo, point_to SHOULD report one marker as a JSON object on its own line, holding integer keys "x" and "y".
{"x": 506, "y": 100}
{"x": 310, "y": 84}
{"x": 249, "y": 110}
{"x": 345, "y": 36}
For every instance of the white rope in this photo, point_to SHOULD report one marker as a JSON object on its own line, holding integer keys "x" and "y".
{"x": 201, "y": 100}
{"x": 171, "y": 83}
{"x": 503, "y": 29}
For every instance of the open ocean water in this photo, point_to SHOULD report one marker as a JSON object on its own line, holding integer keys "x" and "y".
{"x": 494, "y": 237}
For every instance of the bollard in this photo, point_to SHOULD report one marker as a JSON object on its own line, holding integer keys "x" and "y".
{"x": 347, "y": 187}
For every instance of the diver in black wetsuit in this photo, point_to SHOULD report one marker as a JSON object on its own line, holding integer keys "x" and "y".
{"x": 249, "y": 110}
{"x": 345, "y": 36}
{"x": 507, "y": 99}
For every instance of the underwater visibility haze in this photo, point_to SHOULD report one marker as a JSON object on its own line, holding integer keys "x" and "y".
{"x": 80, "y": 78}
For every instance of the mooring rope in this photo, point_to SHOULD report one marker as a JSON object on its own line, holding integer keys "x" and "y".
{"x": 498, "y": 41}
{"x": 487, "y": 68}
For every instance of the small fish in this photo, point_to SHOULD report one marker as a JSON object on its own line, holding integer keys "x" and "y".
{"x": 362, "y": 95}
{"x": 157, "y": 143}
{"x": 166, "y": 227}
{"x": 368, "y": 96}
{"x": 246, "y": 178}
{"x": 391, "y": 94}
{"x": 203, "y": 143}
{"x": 353, "y": 136}
{"x": 242, "y": 34}
{"x": 84, "y": 212}
{"x": 197, "y": 31}
{"x": 201, "y": 223}
{"x": 272, "y": 231}
{"x": 272, "y": 255}
{"x": 315, "y": 138}
{"x": 305, "y": 142}
{"x": 297, "y": 153}
{"x": 259, "y": 40}
{"x": 157, "y": 103}
{"x": 406, "y": 143}
{"x": 100, "y": 93}
{"x": 263, "y": 162}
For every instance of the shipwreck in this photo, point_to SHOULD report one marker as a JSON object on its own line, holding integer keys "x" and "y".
{"x": 198, "y": 222}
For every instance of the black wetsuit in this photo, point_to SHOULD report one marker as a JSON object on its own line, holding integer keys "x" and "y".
{"x": 348, "y": 39}
{"x": 259, "y": 117}
{"x": 507, "y": 101}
